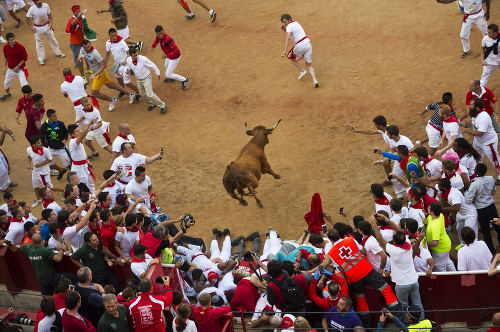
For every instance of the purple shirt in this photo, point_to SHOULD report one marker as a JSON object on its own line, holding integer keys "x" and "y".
{"x": 32, "y": 116}
{"x": 342, "y": 323}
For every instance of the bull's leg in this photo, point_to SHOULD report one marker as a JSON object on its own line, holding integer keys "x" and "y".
{"x": 266, "y": 168}
{"x": 240, "y": 199}
{"x": 252, "y": 191}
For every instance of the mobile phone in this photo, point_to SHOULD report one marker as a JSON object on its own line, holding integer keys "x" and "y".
{"x": 322, "y": 215}
{"x": 341, "y": 210}
{"x": 324, "y": 228}
{"x": 374, "y": 150}
{"x": 84, "y": 11}
{"x": 71, "y": 287}
{"x": 389, "y": 178}
{"x": 160, "y": 157}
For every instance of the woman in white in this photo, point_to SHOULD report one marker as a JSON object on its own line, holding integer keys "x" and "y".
{"x": 182, "y": 322}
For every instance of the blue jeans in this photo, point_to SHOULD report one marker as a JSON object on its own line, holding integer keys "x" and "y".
{"x": 412, "y": 290}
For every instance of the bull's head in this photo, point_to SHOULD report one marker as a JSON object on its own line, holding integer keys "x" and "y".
{"x": 252, "y": 132}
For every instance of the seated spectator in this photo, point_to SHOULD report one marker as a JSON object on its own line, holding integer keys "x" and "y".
{"x": 52, "y": 316}
{"x": 274, "y": 290}
{"x": 29, "y": 230}
{"x": 56, "y": 239}
{"x": 91, "y": 256}
{"x": 15, "y": 234}
{"x": 48, "y": 199}
{"x": 49, "y": 217}
{"x": 71, "y": 319}
{"x": 182, "y": 322}
{"x": 422, "y": 261}
{"x": 91, "y": 298}
{"x": 337, "y": 289}
{"x": 63, "y": 288}
{"x": 374, "y": 253}
{"x": 153, "y": 305}
{"x": 115, "y": 317}
{"x": 284, "y": 323}
{"x": 494, "y": 267}
{"x": 341, "y": 317}
{"x": 475, "y": 255}
{"x": 125, "y": 242}
{"x": 206, "y": 316}
{"x": 142, "y": 262}
{"x": 413, "y": 315}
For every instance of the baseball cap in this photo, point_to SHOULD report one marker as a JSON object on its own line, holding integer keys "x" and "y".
{"x": 414, "y": 311}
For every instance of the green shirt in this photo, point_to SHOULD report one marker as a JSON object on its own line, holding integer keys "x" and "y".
{"x": 41, "y": 258}
{"x": 91, "y": 258}
{"x": 437, "y": 231}
{"x": 109, "y": 323}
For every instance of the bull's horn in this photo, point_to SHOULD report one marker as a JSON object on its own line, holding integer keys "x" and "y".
{"x": 276, "y": 125}
{"x": 246, "y": 128}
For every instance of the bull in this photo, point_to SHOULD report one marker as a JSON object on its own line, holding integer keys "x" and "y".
{"x": 245, "y": 172}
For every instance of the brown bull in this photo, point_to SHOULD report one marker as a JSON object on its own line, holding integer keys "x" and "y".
{"x": 245, "y": 172}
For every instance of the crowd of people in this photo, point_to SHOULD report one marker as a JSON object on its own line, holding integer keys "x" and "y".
{"x": 325, "y": 270}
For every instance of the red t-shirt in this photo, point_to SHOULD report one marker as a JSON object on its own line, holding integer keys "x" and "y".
{"x": 108, "y": 233}
{"x": 32, "y": 117}
{"x": 246, "y": 296}
{"x": 299, "y": 278}
{"x": 14, "y": 55}
{"x": 487, "y": 97}
{"x": 167, "y": 46}
{"x": 24, "y": 104}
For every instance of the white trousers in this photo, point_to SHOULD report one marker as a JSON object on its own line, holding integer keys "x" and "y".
{"x": 84, "y": 175}
{"x": 271, "y": 246}
{"x": 399, "y": 189}
{"x": 62, "y": 154}
{"x": 470, "y": 221}
{"x": 9, "y": 77}
{"x": 170, "y": 65}
{"x": 487, "y": 72}
{"x": 40, "y": 49}
{"x": 225, "y": 253}
{"x": 491, "y": 151}
{"x": 480, "y": 22}
{"x": 145, "y": 87}
{"x": 4, "y": 172}
{"x": 443, "y": 262}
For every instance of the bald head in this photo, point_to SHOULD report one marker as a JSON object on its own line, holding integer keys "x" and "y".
{"x": 124, "y": 128}
{"x": 496, "y": 319}
{"x": 37, "y": 239}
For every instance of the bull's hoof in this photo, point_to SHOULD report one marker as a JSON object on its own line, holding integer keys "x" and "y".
{"x": 259, "y": 204}
{"x": 276, "y": 176}
{"x": 243, "y": 202}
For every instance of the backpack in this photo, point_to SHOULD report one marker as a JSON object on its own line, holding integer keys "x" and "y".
{"x": 293, "y": 295}
{"x": 57, "y": 325}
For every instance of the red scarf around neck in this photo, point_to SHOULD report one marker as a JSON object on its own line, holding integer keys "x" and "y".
{"x": 91, "y": 49}
{"x": 118, "y": 39}
{"x": 445, "y": 194}
{"x": 403, "y": 162}
{"x": 37, "y": 151}
{"x": 382, "y": 201}
{"x": 69, "y": 78}
{"x": 135, "y": 260}
{"x": 427, "y": 160}
{"x": 364, "y": 240}
{"x": 451, "y": 119}
{"x": 124, "y": 137}
{"x": 46, "y": 202}
{"x": 457, "y": 167}
{"x": 406, "y": 246}
{"x": 88, "y": 111}
{"x": 385, "y": 227}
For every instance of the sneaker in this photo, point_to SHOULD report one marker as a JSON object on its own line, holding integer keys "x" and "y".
{"x": 18, "y": 24}
{"x": 137, "y": 98}
{"x": 60, "y": 175}
{"x": 16, "y": 8}
{"x": 237, "y": 240}
{"x": 41, "y": 63}
{"x": 2, "y": 40}
{"x": 151, "y": 107}
{"x": 418, "y": 143}
{"x": 112, "y": 104}
{"x": 185, "y": 83}
{"x": 139, "y": 46}
{"x": 215, "y": 231}
{"x": 497, "y": 182}
{"x": 120, "y": 95}
{"x": 93, "y": 154}
{"x": 213, "y": 16}
{"x": 252, "y": 236}
{"x": 5, "y": 96}
{"x": 226, "y": 231}
{"x": 460, "y": 8}
{"x": 203, "y": 247}
{"x": 302, "y": 74}
{"x": 54, "y": 172}
{"x": 168, "y": 80}
{"x": 85, "y": 79}
{"x": 13, "y": 184}
{"x": 190, "y": 17}
{"x": 465, "y": 54}
{"x": 36, "y": 202}
{"x": 89, "y": 71}
{"x": 316, "y": 84}
{"x": 163, "y": 109}
{"x": 61, "y": 55}
{"x": 131, "y": 98}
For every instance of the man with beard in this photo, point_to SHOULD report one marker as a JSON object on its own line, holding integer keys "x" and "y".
{"x": 485, "y": 137}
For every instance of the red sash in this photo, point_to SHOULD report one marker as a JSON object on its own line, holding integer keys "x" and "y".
{"x": 290, "y": 54}
{"x": 85, "y": 162}
{"x": 467, "y": 15}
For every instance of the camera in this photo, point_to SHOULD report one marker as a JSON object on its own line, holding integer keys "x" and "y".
{"x": 188, "y": 218}
{"x": 159, "y": 280}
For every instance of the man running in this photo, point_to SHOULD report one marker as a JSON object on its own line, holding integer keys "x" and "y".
{"x": 190, "y": 15}
{"x": 120, "y": 20}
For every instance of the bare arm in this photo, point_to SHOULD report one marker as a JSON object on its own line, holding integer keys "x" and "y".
{"x": 376, "y": 232}
{"x": 287, "y": 41}
{"x": 493, "y": 267}
{"x": 150, "y": 160}
{"x": 59, "y": 256}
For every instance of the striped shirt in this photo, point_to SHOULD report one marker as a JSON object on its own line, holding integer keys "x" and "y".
{"x": 434, "y": 121}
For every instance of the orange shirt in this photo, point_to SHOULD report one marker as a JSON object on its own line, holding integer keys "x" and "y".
{"x": 76, "y": 32}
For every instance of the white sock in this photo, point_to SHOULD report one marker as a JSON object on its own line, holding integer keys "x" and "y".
{"x": 210, "y": 11}
{"x": 191, "y": 14}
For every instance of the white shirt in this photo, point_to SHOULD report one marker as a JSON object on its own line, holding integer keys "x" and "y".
{"x": 31, "y": 218}
{"x": 36, "y": 158}
{"x": 456, "y": 180}
{"x": 77, "y": 153}
{"x": 466, "y": 210}
{"x": 139, "y": 268}
{"x": 73, "y": 237}
{"x": 472, "y": 7}
{"x": 260, "y": 305}
{"x": 492, "y": 59}
{"x": 451, "y": 129}
{"x": 52, "y": 244}
{"x": 372, "y": 249}
{"x": 403, "y": 140}
{"x": 141, "y": 69}
{"x": 75, "y": 90}
{"x": 119, "y": 50}
{"x": 297, "y": 33}
{"x": 15, "y": 234}
{"x": 45, "y": 324}
{"x": 470, "y": 163}
{"x": 383, "y": 207}
{"x": 387, "y": 234}
{"x": 114, "y": 191}
{"x": 127, "y": 240}
{"x": 482, "y": 123}
{"x": 417, "y": 214}
{"x": 117, "y": 143}
{"x": 385, "y": 136}
{"x": 129, "y": 164}
{"x": 190, "y": 326}
{"x": 475, "y": 256}
{"x": 40, "y": 16}
{"x": 54, "y": 206}
{"x": 420, "y": 263}
{"x": 402, "y": 269}
{"x": 95, "y": 114}
{"x": 140, "y": 190}
{"x": 6, "y": 209}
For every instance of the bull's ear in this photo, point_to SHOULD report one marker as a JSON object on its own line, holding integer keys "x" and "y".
{"x": 251, "y": 132}
{"x": 269, "y": 132}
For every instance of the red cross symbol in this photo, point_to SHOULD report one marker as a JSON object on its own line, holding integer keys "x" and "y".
{"x": 345, "y": 252}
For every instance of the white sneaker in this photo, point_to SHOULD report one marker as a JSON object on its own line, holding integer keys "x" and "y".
{"x": 2, "y": 40}
{"x": 36, "y": 202}
{"x": 112, "y": 104}
{"x": 41, "y": 63}
{"x": 302, "y": 74}
{"x": 61, "y": 55}
{"x": 54, "y": 172}
{"x": 131, "y": 97}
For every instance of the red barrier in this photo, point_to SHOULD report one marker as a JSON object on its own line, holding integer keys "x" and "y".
{"x": 226, "y": 322}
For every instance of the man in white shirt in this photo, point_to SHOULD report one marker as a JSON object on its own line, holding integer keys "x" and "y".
{"x": 124, "y": 136}
{"x": 374, "y": 253}
{"x": 399, "y": 211}
{"x": 466, "y": 213}
{"x": 99, "y": 131}
{"x": 15, "y": 234}
{"x": 9, "y": 203}
{"x": 128, "y": 161}
{"x": 403, "y": 272}
{"x": 433, "y": 167}
{"x": 39, "y": 19}
{"x": 382, "y": 199}
{"x": 48, "y": 308}
{"x": 141, "y": 65}
{"x": 423, "y": 261}
{"x": 48, "y": 199}
{"x": 302, "y": 48}
{"x": 450, "y": 129}
{"x": 117, "y": 46}
{"x": 140, "y": 186}
{"x": 124, "y": 242}
{"x": 489, "y": 54}
{"x": 73, "y": 232}
{"x": 74, "y": 88}
{"x": 141, "y": 262}
{"x": 475, "y": 255}
{"x": 416, "y": 209}
{"x": 114, "y": 187}
{"x": 80, "y": 164}
{"x": 39, "y": 159}
{"x": 485, "y": 137}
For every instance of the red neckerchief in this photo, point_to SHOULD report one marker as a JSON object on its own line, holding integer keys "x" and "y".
{"x": 135, "y": 62}
{"x": 16, "y": 220}
{"x": 103, "y": 206}
{"x": 61, "y": 230}
{"x": 91, "y": 49}
{"x": 46, "y": 202}
{"x": 406, "y": 246}
{"x": 124, "y": 137}
{"x": 69, "y": 78}
{"x": 96, "y": 230}
{"x": 364, "y": 240}
{"x": 5, "y": 227}
{"x": 457, "y": 167}
{"x": 87, "y": 208}
{"x": 109, "y": 186}
{"x": 385, "y": 227}
{"x": 403, "y": 162}
{"x": 451, "y": 119}
{"x": 37, "y": 151}
{"x": 427, "y": 160}
{"x": 135, "y": 229}
{"x": 135, "y": 260}
{"x": 88, "y": 111}
{"x": 124, "y": 209}
{"x": 414, "y": 234}
{"x": 111, "y": 1}
{"x": 118, "y": 39}
{"x": 14, "y": 202}
{"x": 445, "y": 194}
{"x": 382, "y": 201}
{"x": 418, "y": 255}
{"x": 418, "y": 206}
{"x": 460, "y": 154}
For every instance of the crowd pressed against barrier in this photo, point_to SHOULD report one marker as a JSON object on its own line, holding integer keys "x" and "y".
{"x": 325, "y": 269}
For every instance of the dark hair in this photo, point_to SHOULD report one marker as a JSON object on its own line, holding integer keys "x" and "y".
{"x": 184, "y": 311}
{"x": 66, "y": 71}
{"x": 7, "y": 196}
{"x": 111, "y": 30}
{"x": 377, "y": 190}
{"x": 26, "y": 89}
{"x": 274, "y": 269}
{"x": 288, "y": 267}
{"x": 196, "y": 274}
{"x": 380, "y": 120}
{"x": 449, "y": 165}
{"x": 128, "y": 292}
{"x": 382, "y": 222}
{"x": 145, "y": 285}
{"x": 94, "y": 214}
{"x": 14, "y": 210}
{"x": 48, "y": 305}
{"x": 139, "y": 249}
{"x": 36, "y": 97}
{"x": 463, "y": 144}
{"x": 117, "y": 209}
{"x": 314, "y": 259}
{"x": 42, "y": 191}
{"x": 85, "y": 42}
{"x": 71, "y": 300}
{"x": 447, "y": 96}
{"x": 147, "y": 221}
{"x": 421, "y": 151}
{"x": 481, "y": 169}
{"x": 468, "y": 234}
{"x": 9, "y": 35}
{"x": 411, "y": 225}
{"x": 393, "y": 130}
{"x": 87, "y": 236}
{"x": 71, "y": 130}
{"x": 50, "y": 112}
{"x": 343, "y": 229}
{"x": 102, "y": 196}
{"x": 130, "y": 219}
{"x": 436, "y": 208}
{"x": 53, "y": 228}
{"x": 132, "y": 50}
{"x": 158, "y": 28}
{"x": 417, "y": 191}
{"x": 333, "y": 235}
{"x": 315, "y": 239}
{"x": 28, "y": 225}
{"x": 285, "y": 17}
{"x": 396, "y": 204}
{"x": 70, "y": 174}
{"x": 477, "y": 102}
{"x": 333, "y": 288}
{"x": 109, "y": 289}
{"x": 356, "y": 220}
{"x": 139, "y": 170}
{"x": 403, "y": 149}
{"x": 347, "y": 300}
{"x": 4, "y": 213}
{"x": 105, "y": 214}
{"x": 445, "y": 183}
{"x": 34, "y": 139}
{"x": 70, "y": 200}
{"x": 107, "y": 174}
{"x": 63, "y": 285}
{"x": 177, "y": 297}
{"x": 399, "y": 238}
{"x": 365, "y": 227}
{"x": 493, "y": 27}
{"x": 62, "y": 218}
{"x": 46, "y": 214}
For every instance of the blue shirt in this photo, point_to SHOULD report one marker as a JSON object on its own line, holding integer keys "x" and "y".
{"x": 44, "y": 232}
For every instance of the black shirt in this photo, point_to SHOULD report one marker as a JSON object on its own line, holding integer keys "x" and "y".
{"x": 53, "y": 137}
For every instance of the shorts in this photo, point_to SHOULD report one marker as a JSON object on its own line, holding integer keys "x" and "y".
{"x": 76, "y": 52}
{"x": 100, "y": 80}
{"x": 122, "y": 73}
{"x": 434, "y": 136}
{"x": 40, "y": 180}
{"x": 62, "y": 154}
{"x": 9, "y": 4}
{"x": 3, "y": 15}
{"x": 124, "y": 33}
{"x": 303, "y": 50}
{"x": 102, "y": 139}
